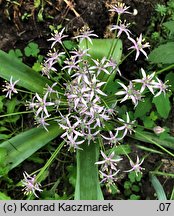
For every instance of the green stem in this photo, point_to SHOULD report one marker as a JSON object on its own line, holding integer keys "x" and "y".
{"x": 165, "y": 69}
{"x": 48, "y": 163}
{"x": 114, "y": 44}
{"x": 17, "y": 113}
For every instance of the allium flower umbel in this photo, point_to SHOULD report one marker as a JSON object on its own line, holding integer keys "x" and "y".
{"x": 10, "y": 87}
{"x": 138, "y": 46}
{"x": 30, "y": 184}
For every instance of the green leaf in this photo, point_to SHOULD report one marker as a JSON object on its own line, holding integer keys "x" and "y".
{"x": 32, "y": 50}
{"x": 170, "y": 78}
{"x": 120, "y": 150}
{"x": 3, "y": 154}
{"x": 135, "y": 188}
{"x": 3, "y": 196}
{"x": 162, "y": 54}
{"x": 37, "y": 3}
{"x": 134, "y": 197}
{"x": 101, "y": 47}
{"x": 1, "y": 103}
{"x": 40, "y": 16}
{"x": 127, "y": 185}
{"x": 25, "y": 144}
{"x": 72, "y": 170}
{"x": 158, "y": 188}
{"x": 37, "y": 67}
{"x": 87, "y": 184}
{"x": 4, "y": 136}
{"x": 154, "y": 139}
{"x": 69, "y": 44}
{"x": 170, "y": 26}
{"x": 16, "y": 54}
{"x": 143, "y": 108}
{"x": 148, "y": 122}
{"x": 27, "y": 77}
{"x": 162, "y": 104}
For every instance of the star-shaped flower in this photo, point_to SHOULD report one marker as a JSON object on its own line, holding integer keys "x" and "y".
{"x": 138, "y": 46}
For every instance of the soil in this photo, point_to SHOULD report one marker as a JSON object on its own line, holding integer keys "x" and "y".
{"x": 17, "y": 33}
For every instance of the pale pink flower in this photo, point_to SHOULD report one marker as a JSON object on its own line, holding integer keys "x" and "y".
{"x": 146, "y": 81}
{"x": 123, "y": 27}
{"x": 113, "y": 65}
{"x": 109, "y": 178}
{"x": 57, "y": 37}
{"x": 73, "y": 142}
{"x": 50, "y": 90}
{"x": 79, "y": 96}
{"x": 86, "y": 35}
{"x": 54, "y": 56}
{"x": 41, "y": 121}
{"x": 136, "y": 166}
{"x": 80, "y": 53}
{"x": 113, "y": 139}
{"x": 10, "y": 87}
{"x": 42, "y": 104}
{"x": 89, "y": 136}
{"x": 30, "y": 184}
{"x": 70, "y": 129}
{"x": 130, "y": 93}
{"x": 71, "y": 65}
{"x": 94, "y": 87}
{"x": 47, "y": 67}
{"x": 160, "y": 85}
{"x": 109, "y": 163}
{"x": 120, "y": 8}
{"x": 100, "y": 66}
{"x": 138, "y": 46}
{"x": 127, "y": 126}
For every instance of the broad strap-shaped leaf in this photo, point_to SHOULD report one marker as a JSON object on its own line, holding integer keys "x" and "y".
{"x": 87, "y": 183}
{"x": 27, "y": 143}
{"x": 158, "y": 187}
{"x": 101, "y": 48}
{"x": 28, "y": 78}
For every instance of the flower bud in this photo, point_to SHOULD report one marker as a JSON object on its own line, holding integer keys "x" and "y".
{"x": 158, "y": 130}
